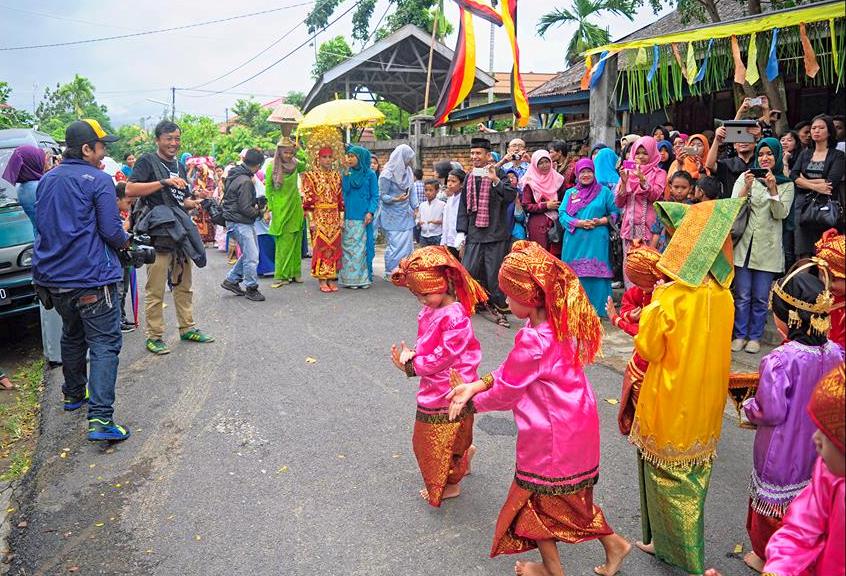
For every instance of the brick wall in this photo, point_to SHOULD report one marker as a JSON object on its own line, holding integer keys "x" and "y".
{"x": 436, "y": 148}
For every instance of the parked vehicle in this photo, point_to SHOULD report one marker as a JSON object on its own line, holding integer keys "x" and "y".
{"x": 17, "y": 294}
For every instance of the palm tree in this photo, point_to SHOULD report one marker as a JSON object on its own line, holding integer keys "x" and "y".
{"x": 588, "y": 35}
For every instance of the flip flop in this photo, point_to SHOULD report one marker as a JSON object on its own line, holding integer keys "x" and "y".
{"x": 325, "y": 289}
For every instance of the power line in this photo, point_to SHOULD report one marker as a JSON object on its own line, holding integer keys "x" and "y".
{"x": 159, "y": 31}
{"x": 286, "y": 56}
{"x": 274, "y": 43}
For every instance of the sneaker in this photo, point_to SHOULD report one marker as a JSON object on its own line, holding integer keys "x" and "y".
{"x": 195, "y": 335}
{"x": 232, "y": 287}
{"x": 753, "y": 347}
{"x": 72, "y": 404}
{"x": 126, "y": 327}
{"x": 99, "y": 429}
{"x": 737, "y": 344}
{"x": 254, "y": 294}
{"x": 157, "y": 346}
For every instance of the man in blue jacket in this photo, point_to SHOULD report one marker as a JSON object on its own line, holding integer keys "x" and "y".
{"x": 75, "y": 263}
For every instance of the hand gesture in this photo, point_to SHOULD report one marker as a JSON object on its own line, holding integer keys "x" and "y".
{"x": 492, "y": 174}
{"x": 641, "y": 178}
{"x": 748, "y": 178}
{"x": 368, "y": 218}
{"x": 402, "y": 197}
{"x": 266, "y": 217}
{"x": 396, "y": 357}
{"x": 177, "y": 182}
{"x": 458, "y": 397}
{"x": 406, "y": 353}
{"x": 634, "y": 315}
{"x": 771, "y": 183}
{"x": 553, "y": 204}
{"x": 720, "y": 135}
{"x": 610, "y": 309}
{"x": 745, "y": 106}
{"x": 624, "y": 176}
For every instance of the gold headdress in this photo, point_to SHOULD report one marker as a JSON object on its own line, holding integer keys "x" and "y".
{"x": 820, "y": 322}
{"x": 641, "y": 267}
{"x": 321, "y": 138}
{"x": 831, "y": 249}
{"x": 826, "y": 407}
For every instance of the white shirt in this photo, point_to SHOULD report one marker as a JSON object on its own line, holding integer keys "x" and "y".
{"x": 430, "y": 211}
{"x": 450, "y": 236}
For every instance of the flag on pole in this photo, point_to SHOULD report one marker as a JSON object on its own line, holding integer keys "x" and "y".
{"x": 772, "y": 60}
{"x": 462, "y": 69}
{"x": 519, "y": 98}
{"x": 752, "y": 74}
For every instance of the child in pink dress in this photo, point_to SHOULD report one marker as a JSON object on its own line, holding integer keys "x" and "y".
{"x": 543, "y": 383}
{"x": 445, "y": 341}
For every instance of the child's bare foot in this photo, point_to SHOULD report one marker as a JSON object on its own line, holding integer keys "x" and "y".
{"x": 530, "y": 569}
{"x": 648, "y": 548}
{"x": 754, "y": 561}
{"x": 451, "y": 491}
{"x": 616, "y": 550}
{"x": 712, "y": 572}
{"x": 470, "y": 453}
{"x": 424, "y": 494}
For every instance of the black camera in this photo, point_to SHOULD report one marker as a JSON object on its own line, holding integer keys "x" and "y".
{"x": 139, "y": 251}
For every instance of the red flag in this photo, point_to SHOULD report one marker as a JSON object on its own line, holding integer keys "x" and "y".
{"x": 462, "y": 70}
{"x": 519, "y": 98}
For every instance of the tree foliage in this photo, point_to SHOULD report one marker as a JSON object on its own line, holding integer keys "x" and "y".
{"x": 295, "y": 98}
{"x": 133, "y": 140}
{"x": 395, "y": 121}
{"x": 587, "y": 35}
{"x": 68, "y": 102}
{"x": 10, "y": 117}
{"x": 253, "y": 115}
{"x": 330, "y": 54}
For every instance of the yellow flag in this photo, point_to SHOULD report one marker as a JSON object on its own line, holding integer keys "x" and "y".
{"x": 752, "y": 74}
{"x": 691, "y": 64}
{"x": 640, "y": 59}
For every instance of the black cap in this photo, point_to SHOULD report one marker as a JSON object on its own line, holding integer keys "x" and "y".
{"x": 86, "y": 131}
{"x": 480, "y": 143}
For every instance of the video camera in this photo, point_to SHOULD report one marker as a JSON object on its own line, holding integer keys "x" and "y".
{"x": 139, "y": 251}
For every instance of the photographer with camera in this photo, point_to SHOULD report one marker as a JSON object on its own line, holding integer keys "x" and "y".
{"x": 240, "y": 209}
{"x": 76, "y": 269}
{"x": 159, "y": 180}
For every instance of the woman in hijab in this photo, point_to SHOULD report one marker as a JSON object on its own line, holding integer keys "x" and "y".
{"x": 286, "y": 210}
{"x": 584, "y": 214}
{"x": 543, "y": 189}
{"x": 660, "y": 134}
{"x": 691, "y": 157}
{"x": 396, "y": 216}
{"x": 25, "y": 168}
{"x": 595, "y": 150}
{"x": 641, "y": 184}
{"x": 759, "y": 253}
{"x": 668, "y": 156}
{"x": 361, "y": 198}
{"x": 606, "y": 168}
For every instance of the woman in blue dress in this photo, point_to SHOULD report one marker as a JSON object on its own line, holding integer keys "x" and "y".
{"x": 584, "y": 214}
{"x": 396, "y": 214}
{"x": 361, "y": 198}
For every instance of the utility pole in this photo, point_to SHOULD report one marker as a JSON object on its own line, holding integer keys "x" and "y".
{"x": 172, "y": 104}
{"x": 226, "y": 122}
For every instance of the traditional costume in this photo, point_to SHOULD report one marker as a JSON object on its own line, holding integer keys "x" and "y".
{"x": 810, "y": 540}
{"x": 203, "y": 186}
{"x": 784, "y": 451}
{"x": 483, "y": 217}
{"x": 830, "y": 249}
{"x": 587, "y": 251}
{"x": 286, "y": 209}
{"x": 323, "y": 201}
{"x": 398, "y": 203}
{"x": 445, "y": 341}
{"x": 542, "y": 381}
{"x": 685, "y": 335}
{"x": 361, "y": 197}
{"x": 642, "y": 269}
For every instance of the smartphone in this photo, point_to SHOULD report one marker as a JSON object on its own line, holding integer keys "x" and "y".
{"x": 757, "y": 101}
{"x": 689, "y": 151}
{"x": 480, "y": 172}
{"x": 759, "y": 172}
{"x": 629, "y": 164}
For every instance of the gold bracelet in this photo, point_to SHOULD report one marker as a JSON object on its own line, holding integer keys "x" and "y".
{"x": 488, "y": 379}
{"x": 409, "y": 369}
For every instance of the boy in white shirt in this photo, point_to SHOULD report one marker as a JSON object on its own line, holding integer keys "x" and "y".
{"x": 430, "y": 215}
{"x": 451, "y": 238}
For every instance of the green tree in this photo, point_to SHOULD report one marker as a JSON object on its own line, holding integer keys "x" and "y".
{"x": 9, "y": 116}
{"x": 395, "y": 121}
{"x": 421, "y": 13}
{"x": 295, "y": 98}
{"x": 229, "y": 146}
{"x": 330, "y": 54}
{"x": 587, "y": 34}
{"x": 253, "y": 115}
{"x": 199, "y": 134}
{"x": 133, "y": 140}
{"x": 68, "y": 102}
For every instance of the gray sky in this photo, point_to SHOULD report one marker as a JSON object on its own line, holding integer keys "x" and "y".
{"x": 128, "y": 72}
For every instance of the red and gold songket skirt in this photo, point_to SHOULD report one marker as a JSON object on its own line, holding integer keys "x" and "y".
{"x": 441, "y": 449}
{"x": 528, "y": 516}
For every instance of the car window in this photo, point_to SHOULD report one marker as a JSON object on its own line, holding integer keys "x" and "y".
{"x": 7, "y": 189}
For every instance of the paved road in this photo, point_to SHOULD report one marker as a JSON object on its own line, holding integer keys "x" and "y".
{"x": 246, "y": 458}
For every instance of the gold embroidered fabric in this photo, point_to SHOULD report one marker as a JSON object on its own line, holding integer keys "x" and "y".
{"x": 831, "y": 248}
{"x": 641, "y": 267}
{"x": 440, "y": 447}
{"x": 828, "y": 406}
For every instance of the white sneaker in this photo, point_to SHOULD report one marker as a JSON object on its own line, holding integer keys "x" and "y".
{"x": 737, "y": 344}
{"x": 753, "y": 347}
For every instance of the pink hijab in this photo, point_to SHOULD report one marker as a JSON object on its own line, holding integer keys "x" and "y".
{"x": 544, "y": 187}
{"x": 651, "y": 169}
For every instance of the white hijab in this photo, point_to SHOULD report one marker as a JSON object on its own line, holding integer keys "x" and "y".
{"x": 398, "y": 167}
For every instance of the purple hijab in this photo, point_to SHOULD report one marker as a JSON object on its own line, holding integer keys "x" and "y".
{"x": 25, "y": 164}
{"x": 584, "y": 195}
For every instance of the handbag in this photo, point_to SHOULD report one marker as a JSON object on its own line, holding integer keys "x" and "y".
{"x": 615, "y": 249}
{"x": 554, "y": 232}
{"x": 821, "y": 212}
{"x": 741, "y": 221}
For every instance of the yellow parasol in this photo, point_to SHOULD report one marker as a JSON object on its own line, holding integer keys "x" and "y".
{"x": 342, "y": 113}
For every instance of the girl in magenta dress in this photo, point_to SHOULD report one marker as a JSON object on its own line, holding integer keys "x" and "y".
{"x": 445, "y": 341}
{"x": 542, "y": 381}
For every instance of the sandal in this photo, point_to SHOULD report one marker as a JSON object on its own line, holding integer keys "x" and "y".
{"x": 6, "y": 384}
{"x": 325, "y": 289}
{"x": 278, "y": 283}
{"x": 333, "y": 287}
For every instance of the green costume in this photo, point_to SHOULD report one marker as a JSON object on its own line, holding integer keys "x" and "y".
{"x": 286, "y": 224}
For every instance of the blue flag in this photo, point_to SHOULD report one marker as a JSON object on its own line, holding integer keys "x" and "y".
{"x": 772, "y": 61}
{"x": 655, "y": 57}
{"x": 704, "y": 66}
{"x": 600, "y": 68}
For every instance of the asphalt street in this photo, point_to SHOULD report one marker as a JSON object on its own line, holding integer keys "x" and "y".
{"x": 284, "y": 448}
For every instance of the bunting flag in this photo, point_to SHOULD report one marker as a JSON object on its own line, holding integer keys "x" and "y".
{"x": 752, "y": 74}
{"x": 678, "y": 57}
{"x": 640, "y": 59}
{"x": 656, "y": 56}
{"x": 692, "y": 71}
{"x": 462, "y": 69}
{"x": 808, "y": 54}
{"x": 585, "y": 83}
{"x": 483, "y": 11}
{"x": 739, "y": 67}
{"x": 701, "y": 75}
{"x": 832, "y": 33}
{"x": 600, "y": 68}
{"x": 519, "y": 98}
{"x": 772, "y": 60}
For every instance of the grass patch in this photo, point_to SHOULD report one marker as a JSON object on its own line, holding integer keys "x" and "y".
{"x": 19, "y": 420}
